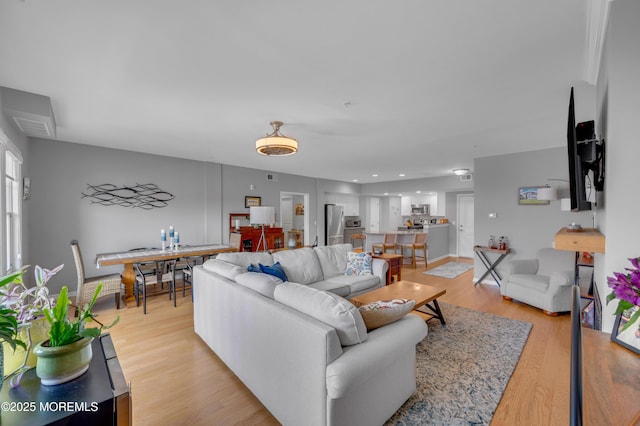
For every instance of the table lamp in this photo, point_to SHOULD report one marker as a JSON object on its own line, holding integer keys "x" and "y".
{"x": 262, "y": 216}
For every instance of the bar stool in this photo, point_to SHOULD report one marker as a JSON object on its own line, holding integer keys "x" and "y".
{"x": 390, "y": 242}
{"x": 419, "y": 243}
{"x": 358, "y": 237}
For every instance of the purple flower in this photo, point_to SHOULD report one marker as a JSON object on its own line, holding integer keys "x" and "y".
{"x": 626, "y": 288}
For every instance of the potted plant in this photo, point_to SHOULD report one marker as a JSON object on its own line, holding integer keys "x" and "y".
{"x": 8, "y": 324}
{"x": 67, "y": 353}
{"x": 29, "y": 305}
{"x": 626, "y": 288}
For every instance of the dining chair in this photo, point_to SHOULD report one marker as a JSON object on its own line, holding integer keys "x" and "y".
{"x": 390, "y": 241}
{"x": 419, "y": 244}
{"x": 111, "y": 284}
{"x": 185, "y": 267}
{"x": 152, "y": 274}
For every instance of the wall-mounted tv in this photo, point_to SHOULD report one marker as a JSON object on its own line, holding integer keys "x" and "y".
{"x": 586, "y": 161}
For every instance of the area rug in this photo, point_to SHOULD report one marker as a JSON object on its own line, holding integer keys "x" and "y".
{"x": 450, "y": 269}
{"x": 463, "y": 368}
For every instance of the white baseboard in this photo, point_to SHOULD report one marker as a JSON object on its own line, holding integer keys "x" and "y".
{"x": 489, "y": 281}
{"x": 435, "y": 259}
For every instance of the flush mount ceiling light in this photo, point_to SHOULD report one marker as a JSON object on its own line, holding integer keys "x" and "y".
{"x": 276, "y": 143}
{"x": 460, "y": 172}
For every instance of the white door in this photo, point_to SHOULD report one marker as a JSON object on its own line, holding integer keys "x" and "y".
{"x": 465, "y": 225}
{"x": 374, "y": 214}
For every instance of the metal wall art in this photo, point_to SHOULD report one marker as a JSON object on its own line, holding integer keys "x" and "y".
{"x": 145, "y": 196}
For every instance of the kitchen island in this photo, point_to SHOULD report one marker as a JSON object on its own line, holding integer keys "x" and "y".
{"x": 437, "y": 239}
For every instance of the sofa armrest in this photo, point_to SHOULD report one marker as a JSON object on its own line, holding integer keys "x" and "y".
{"x": 379, "y": 268}
{"x": 561, "y": 279}
{"x": 359, "y": 362}
{"x": 522, "y": 266}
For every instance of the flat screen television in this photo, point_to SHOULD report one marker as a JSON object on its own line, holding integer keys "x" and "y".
{"x": 577, "y": 172}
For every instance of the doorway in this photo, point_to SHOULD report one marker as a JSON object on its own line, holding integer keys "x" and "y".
{"x": 465, "y": 231}
{"x": 294, "y": 214}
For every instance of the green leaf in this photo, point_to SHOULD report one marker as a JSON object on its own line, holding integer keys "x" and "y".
{"x": 632, "y": 320}
{"x": 610, "y": 297}
{"x": 623, "y": 305}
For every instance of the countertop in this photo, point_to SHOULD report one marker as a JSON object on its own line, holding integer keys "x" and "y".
{"x": 411, "y": 231}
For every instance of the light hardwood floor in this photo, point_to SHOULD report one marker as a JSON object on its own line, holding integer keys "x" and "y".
{"x": 176, "y": 379}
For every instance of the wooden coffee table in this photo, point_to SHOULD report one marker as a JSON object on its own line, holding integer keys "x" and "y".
{"x": 423, "y": 294}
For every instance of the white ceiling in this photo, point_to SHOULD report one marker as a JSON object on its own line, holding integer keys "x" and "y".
{"x": 366, "y": 86}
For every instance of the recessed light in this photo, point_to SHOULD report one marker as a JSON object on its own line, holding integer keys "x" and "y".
{"x": 375, "y": 175}
{"x": 460, "y": 172}
{"x": 401, "y": 175}
{"x": 399, "y": 195}
{"x": 418, "y": 192}
{"x": 354, "y": 180}
{"x": 386, "y": 193}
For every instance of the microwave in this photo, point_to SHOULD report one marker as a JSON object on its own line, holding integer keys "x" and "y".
{"x": 352, "y": 223}
{"x": 420, "y": 209}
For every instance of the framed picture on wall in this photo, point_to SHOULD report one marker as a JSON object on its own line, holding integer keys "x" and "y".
{"x": 299, "y": 209}
{"x": 528, "y": 196}
{"x": 252, "y": 201}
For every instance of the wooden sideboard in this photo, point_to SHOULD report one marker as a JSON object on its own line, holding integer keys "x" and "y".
{"x": 250, "y": 236}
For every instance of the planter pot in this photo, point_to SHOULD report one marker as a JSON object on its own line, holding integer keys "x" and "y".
{"x": 36, "y": 332}
{"x": 63, "y": 363}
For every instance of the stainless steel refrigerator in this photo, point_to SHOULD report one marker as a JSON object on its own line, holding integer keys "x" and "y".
{"x": 333, "y": 224}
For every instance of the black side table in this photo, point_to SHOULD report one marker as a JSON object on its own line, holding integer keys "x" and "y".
{"x": 100, "y": 396}
{"x": 482, "y": 251}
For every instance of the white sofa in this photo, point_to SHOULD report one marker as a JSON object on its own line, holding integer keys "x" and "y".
{"x": 544, "y": 282}
{"x": 297, "y": 365}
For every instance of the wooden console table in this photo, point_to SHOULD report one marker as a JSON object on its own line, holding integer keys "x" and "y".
{"x": 482, "y": 251}
{"x": 101, "y": 396}
{"x": 395, "y": 266}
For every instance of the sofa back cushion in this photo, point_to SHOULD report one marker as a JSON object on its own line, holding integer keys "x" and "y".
{"x": 226, "y": 269}
{"x": 264, "y": 284}
{"x": 552, "y": 260}
{"x": 301, "y": 265}
{"x": 327, "y": 307}
{"x": 245, "y": 258}
{"x": 333, "y": 259}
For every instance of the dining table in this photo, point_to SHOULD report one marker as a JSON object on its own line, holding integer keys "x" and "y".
{"x": 129, "y": 258}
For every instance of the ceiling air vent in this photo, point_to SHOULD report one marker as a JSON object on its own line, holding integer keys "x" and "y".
{"x": 33, "y": 127}
{"x": 466, "y": 178}
{"x": 32, "y": 113}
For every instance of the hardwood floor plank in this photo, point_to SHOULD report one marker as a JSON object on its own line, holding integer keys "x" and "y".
{"x": 177, "y": 379}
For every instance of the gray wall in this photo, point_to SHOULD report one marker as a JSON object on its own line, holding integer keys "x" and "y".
{"x": 57, "y": 213}
{"x": 619, "y": 109}
{"x": 527, "y": 228}
{"x": 205, "y": 194}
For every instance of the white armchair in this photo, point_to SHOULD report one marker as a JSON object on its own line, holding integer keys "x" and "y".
{"x": 544, "y": 282}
